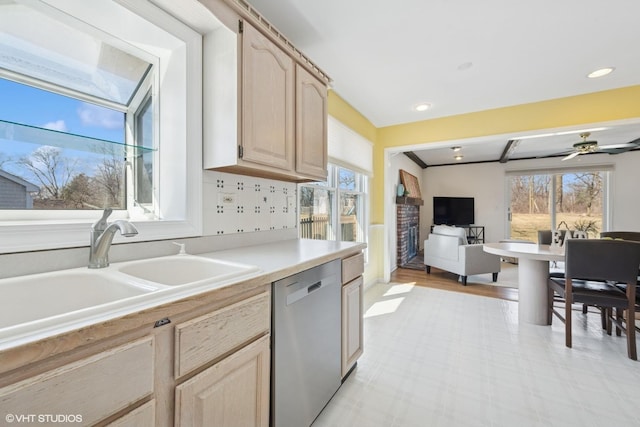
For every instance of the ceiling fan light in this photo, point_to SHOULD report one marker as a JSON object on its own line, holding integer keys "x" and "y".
{"x": 600, "y": 73}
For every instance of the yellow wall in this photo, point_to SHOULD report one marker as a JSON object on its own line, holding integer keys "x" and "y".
{"x": 351, "y": 117}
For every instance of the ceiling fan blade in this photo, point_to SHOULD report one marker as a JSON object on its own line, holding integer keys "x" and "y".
{"x": 571, "y": 156}
{"x": 616, "y": 146}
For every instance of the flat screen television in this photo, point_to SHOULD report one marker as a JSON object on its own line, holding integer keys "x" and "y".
{"x": 453, "y": 210}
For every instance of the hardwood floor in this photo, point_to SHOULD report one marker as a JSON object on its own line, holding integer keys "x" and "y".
{"x": 439, "y": 279}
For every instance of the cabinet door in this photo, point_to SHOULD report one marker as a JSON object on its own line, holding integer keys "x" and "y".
{"x": 352, "y": 318}
{"x": 311, "y": 125}
{"x": 233, "y": 392}
{"x": 268, "y": 101}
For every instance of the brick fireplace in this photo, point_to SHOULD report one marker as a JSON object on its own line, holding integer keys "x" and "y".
{"x": 407, "y": 228}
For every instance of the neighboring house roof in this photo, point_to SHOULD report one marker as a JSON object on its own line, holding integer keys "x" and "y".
{"x": 29, "y": 186}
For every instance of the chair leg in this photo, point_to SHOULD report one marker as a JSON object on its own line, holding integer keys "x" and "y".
{"x": 567, "y": 319}
{"x": 631, "y": 331}
{"x": 585, "y": 308}
{"x": 619, "y": 317}
{"x": 608, "y": 314}
{"x": 428, "y": 268}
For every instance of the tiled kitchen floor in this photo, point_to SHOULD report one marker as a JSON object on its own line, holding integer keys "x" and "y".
{"x": 438, "y": 358}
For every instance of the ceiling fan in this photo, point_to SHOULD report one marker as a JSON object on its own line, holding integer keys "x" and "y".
{"x": 586, "y": 147}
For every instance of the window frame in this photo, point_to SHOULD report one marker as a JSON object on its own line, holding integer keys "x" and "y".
{"x": 178, "y": 49}
{"x": 332, "y": 184}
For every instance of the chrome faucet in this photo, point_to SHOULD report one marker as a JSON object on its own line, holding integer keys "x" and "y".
{"x": 102, "y": 235}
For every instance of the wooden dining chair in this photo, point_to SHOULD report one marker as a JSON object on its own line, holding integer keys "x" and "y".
{"x": 633, "y": 236}
{"x": 593, "y": 267}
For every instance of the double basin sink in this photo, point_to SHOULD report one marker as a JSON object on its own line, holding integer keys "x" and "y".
{"x": 50, "y": 299}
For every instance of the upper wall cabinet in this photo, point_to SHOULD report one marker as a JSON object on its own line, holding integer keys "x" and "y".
{"x": 264, "y": 110}
{"x": 268, "y": 102}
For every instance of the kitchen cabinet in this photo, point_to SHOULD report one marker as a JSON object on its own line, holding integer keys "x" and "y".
{"x": 311, "y": 125}
{"x": 209, "y": 357}
{"x": 352, "y": 311}
{"x": 265, "y": 114}
{"x": 88, "y": 390}
{"x": 234, "y": 391}
{"x": 268, "y": 102}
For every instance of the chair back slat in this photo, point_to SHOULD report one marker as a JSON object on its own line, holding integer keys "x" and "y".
{"x": 596, "y": 259}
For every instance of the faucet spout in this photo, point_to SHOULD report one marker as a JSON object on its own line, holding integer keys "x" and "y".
{"x": 102, "y": 234}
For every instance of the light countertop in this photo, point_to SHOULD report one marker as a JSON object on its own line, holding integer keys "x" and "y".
{"x": 275, "y": 261}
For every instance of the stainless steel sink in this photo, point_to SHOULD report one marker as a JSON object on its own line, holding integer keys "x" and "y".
{"x": 179, "y": 270}
{"x": 29, "y": 298}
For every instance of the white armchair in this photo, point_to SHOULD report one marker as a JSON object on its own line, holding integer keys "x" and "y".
{"x": 447, "y": 249}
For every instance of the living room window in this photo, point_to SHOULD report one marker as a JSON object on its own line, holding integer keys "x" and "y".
{"x": 100, "y": 108}
{"x": 575, "y": 199}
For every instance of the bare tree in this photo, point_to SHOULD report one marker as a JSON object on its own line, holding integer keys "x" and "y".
{"x": 52, "y": 170}
{"x": 78, "y": 191}
{"x": 587, "y": 189}
{"x": 110, "y": 177}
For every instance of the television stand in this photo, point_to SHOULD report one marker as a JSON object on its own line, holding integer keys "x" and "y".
{"x": 475, "y": 233}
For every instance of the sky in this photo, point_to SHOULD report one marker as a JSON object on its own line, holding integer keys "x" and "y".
{"x": 27, "y": 105}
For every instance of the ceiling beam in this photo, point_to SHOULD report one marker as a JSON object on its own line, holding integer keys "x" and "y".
{"x": 418, "y": 161}
{"x": 508, "y": 150}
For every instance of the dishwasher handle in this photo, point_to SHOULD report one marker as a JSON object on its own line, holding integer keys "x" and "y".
{"x": 314, "y": 287}
{"x": 304, "y": 291}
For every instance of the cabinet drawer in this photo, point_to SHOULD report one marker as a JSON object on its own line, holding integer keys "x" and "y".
{"x": 352, "y": 267}
{"x": 208, "y": 337}
{"x": 93, "y": 388}
{"x": 144, "y": 416}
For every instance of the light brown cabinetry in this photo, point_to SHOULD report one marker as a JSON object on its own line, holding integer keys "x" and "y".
{"x": 234, "y": 391}
{"x": 268, "y": 102}
{"x": 311, "y": 125}
{"x": 212, "y": 364}
{"x": 352, "y": 311}
{"x": 89, "y": 390}
{"x": 264, "y": 113}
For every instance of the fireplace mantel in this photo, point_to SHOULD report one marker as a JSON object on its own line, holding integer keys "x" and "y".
{"x": 409, "y": 201}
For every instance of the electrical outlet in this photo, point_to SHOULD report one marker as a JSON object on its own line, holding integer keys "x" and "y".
{"x": 226, "y": 198}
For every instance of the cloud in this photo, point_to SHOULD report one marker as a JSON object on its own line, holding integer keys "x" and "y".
{"x": 58, "y": 125}
{"x": 92, "y": 115}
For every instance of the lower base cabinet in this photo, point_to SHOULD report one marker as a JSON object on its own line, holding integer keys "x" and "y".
{"x": 352, "y": 319}
{"x": 233, "y": 392}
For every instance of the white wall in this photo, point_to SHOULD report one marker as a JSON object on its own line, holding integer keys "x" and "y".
{"x": 400, "y": 161}
{"x": 486, "y": 182}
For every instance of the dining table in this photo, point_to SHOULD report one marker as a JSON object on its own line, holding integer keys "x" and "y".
{"x": 533, "y": 274}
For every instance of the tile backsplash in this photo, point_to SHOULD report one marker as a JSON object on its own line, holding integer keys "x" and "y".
{"x": 242, "y": 204}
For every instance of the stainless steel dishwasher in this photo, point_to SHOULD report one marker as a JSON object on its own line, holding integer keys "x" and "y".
{"x": 305, "y": 363}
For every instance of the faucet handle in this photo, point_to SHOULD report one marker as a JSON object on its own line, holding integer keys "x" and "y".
{"x": 101, "y": 224}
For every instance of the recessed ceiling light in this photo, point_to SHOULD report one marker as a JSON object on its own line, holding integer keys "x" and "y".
{"x": 456, "y": 148}
{"x": 601, "y": 72}
{"x": 458, "y": 157}
{"x": 422, "y": 107}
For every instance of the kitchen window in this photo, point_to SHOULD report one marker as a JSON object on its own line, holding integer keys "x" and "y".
{"x": 335, "y": 209}
{"x": 97, "y": 114}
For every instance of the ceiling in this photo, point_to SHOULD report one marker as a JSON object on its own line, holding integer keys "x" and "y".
{"x": 462, "y": 56}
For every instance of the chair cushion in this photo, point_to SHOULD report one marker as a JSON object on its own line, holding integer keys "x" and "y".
{"x": 590, "y": 292}
{"x": 447, "y": 230}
